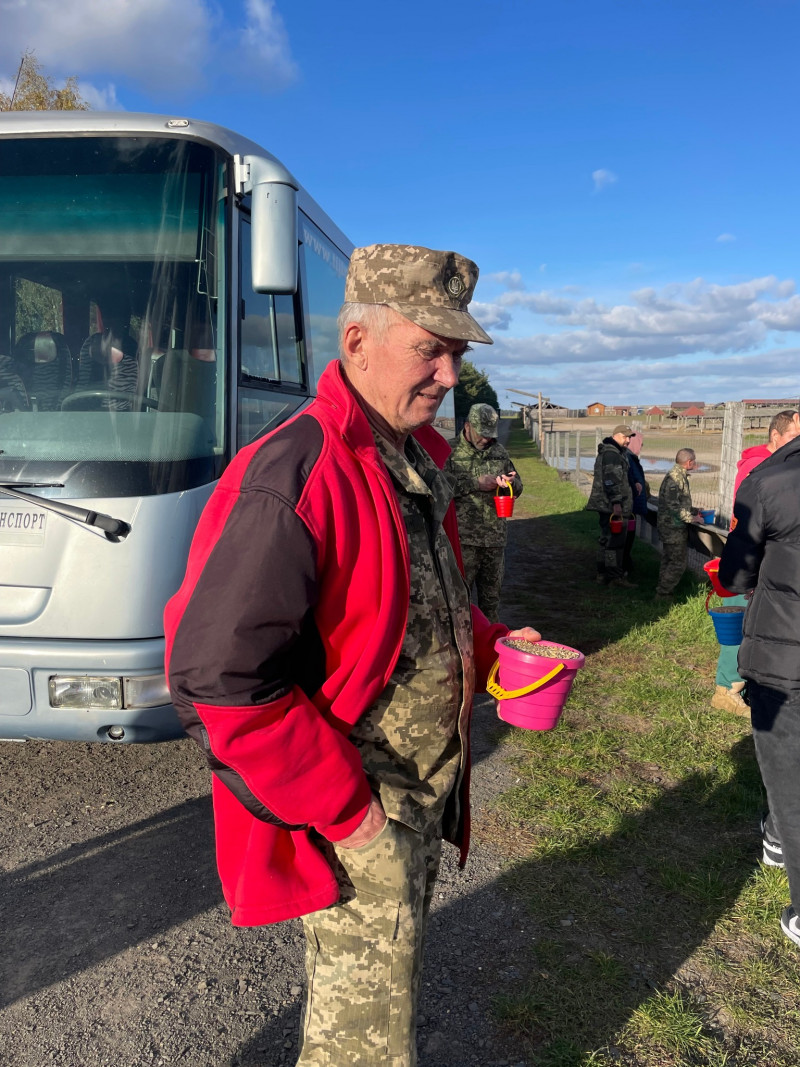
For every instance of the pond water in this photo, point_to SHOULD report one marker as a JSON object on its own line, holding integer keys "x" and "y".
{"x": 649, "y": 465}
{"x": 662, "y": 466}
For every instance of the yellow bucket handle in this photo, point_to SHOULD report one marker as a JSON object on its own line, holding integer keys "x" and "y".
{"x": 494, "y": 689}
{"x": 509, "y": 487}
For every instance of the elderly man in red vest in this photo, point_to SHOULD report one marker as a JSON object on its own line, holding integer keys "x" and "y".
{"x": 323, "y": 652}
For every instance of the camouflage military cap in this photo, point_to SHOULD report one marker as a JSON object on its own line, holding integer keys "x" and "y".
{"x": 432, "y": 289}
{"x": 483, "y": 419}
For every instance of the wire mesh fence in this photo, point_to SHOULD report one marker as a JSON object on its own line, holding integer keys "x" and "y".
{"x": 570, "y": 445}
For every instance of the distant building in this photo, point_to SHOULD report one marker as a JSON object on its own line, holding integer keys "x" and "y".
{"x": 654, "y": 411}
{"x": 791, "y": 403}
{"x": 693, "y": 411}
{"x": 622, "y": 411}
{"x": 596, "y": 408}
{"x": 680, "y": 406}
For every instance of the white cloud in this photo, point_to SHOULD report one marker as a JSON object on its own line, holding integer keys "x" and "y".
{"x": 265, "y": 41}
{"x": 602, "y": 179}
{"x": 491, "y": 316}
{"x": 511, "y": 279}
{"x": 100, "y": 98}
{"x": 159, "y": 45}
{"x": 712, "y": 379}
{"x": 726, "y": 238}
{"x": 669, "y": 337}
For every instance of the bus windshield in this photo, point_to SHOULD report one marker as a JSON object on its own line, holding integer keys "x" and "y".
{"x": 112, "y": 319}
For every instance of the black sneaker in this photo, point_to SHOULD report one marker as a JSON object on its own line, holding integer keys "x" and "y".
{"x": 790, "y": 924}
{"x": 772, "y": 851}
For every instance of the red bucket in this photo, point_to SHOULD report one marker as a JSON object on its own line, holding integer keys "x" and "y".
{"x": 712, "y": 570}
{"x": 504, "y": 505}
{"x": 616, "y": 525}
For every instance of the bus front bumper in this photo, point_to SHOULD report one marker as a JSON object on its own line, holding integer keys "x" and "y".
{"x": 35, "y": 674}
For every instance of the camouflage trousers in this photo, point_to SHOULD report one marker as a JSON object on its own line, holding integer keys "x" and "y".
{"x": 673, "y": 559}
{"x": 484, "y": 565}
{"x": 364, "y": 954}
{"x": 610, "y": 548}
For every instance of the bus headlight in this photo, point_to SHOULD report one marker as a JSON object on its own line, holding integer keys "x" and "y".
{"x": 146, "y": 691}
{"x": 84, "y": 691}
{"x": 97, "y": 692}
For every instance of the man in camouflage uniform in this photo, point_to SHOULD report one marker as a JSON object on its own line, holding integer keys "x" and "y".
{"x": 342, "y": 726}
{"x": 675, "y": 513}
{"x": 611, "y": 497}
{"x": 477, "y": 467}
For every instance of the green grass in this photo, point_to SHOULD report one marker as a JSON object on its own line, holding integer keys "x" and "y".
{"x": 632, "y": 832}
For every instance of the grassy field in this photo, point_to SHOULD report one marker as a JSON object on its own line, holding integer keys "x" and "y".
{"x": 632, "y": 832}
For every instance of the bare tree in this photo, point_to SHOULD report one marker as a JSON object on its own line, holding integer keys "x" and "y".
{"x": 34, "y": 91}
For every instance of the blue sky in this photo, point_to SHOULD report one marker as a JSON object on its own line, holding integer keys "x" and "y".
{"x": 624, "y": 173}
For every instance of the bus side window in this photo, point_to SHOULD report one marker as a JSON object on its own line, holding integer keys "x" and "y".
{"x": 272, "y": 347}
{"x": 273, "y": 380}
{"x": 324, "y": 269}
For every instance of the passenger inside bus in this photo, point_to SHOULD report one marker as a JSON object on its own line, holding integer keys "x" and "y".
{"x": 13, "y": 395}
{"x": 43, "y": 363}
{"x": 108, "y": 371}
{"x": 186, "y": 379}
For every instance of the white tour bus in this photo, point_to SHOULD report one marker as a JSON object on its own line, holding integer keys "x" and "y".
{"x": 169, "y": 293}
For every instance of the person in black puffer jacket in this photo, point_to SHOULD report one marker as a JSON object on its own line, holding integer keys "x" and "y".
{"x": 611, "y": 498}
{"x": 763, "y": 554}
{"x": 640, "y": 492}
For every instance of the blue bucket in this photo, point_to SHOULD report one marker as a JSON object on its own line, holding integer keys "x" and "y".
{"x": 727, "y": 626}
{"x": 708, "y": 515}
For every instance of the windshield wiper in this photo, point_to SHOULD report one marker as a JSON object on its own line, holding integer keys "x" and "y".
{"x": 114, "y": 529}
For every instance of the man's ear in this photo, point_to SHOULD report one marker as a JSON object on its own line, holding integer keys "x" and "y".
{"x": 355, "y": 345}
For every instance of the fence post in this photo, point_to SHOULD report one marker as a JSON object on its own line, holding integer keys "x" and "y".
{"x": 732, "y": 440}
{"x": 578, "y": 458}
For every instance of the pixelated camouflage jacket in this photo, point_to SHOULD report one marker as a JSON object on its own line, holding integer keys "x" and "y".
{"x": 610, "y": 484}
{"x": 478, "y": 522}
{"x": 674, "y": 500}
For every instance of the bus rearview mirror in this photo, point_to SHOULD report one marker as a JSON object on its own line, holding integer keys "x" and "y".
{"x": 274, "y": 230}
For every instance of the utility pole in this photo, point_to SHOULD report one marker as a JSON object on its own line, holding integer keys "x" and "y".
{"x": 16, "y": 83}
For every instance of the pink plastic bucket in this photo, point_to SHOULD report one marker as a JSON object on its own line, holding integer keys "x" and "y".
{"x": 531, "y": 690}
{"x": 631, "y": 525}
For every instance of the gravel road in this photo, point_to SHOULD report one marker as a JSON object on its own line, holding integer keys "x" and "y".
{"x": 117, "y": 949}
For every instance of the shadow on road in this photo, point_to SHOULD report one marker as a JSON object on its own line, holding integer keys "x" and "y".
{"x": 76, "y": 908}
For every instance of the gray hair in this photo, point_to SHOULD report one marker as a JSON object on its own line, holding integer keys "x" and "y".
{"x": 685, "y": 454}
{"x": 376, "y": 318}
